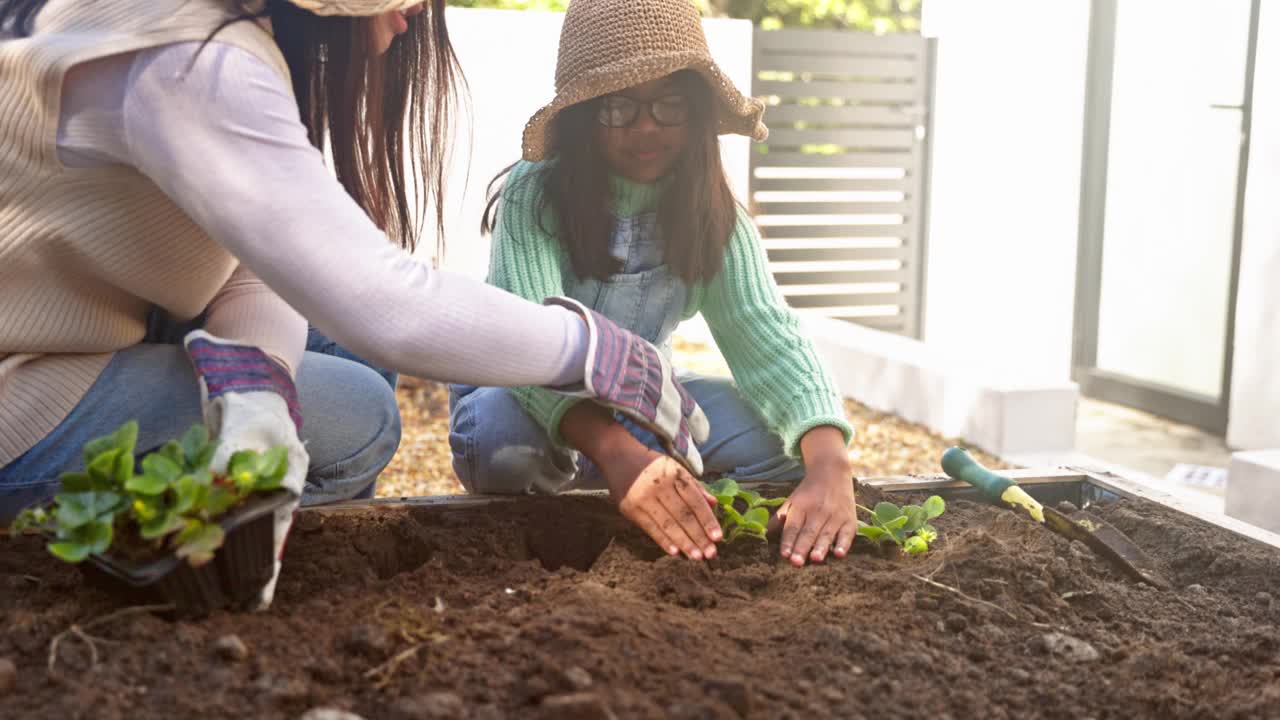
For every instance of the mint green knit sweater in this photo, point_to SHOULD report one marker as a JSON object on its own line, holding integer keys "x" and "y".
{"x": 773, "y": 363}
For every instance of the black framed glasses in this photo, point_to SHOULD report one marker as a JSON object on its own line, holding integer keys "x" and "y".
{"x": 620, "y": 111}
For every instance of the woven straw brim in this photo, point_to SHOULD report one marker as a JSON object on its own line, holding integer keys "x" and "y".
{"x": 354, "y": 8}
{"x": 736, "y": 113}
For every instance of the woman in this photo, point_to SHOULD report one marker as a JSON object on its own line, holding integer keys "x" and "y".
{"x": 166, "y": 155}
{"x": 622, "y": 203}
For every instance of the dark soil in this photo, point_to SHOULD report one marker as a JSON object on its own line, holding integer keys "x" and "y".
{"x": 556, "y": 608}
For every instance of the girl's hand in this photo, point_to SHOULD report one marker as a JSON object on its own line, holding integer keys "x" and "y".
{"x": 822, "y": 510}
{"x": 628, "y": 374}
{"x": 670, "y": 505}
{"x": 651, "y": 490}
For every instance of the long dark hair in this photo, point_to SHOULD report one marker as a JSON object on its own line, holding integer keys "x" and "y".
{"x": 696, "y": 214}
{"x": 369, "y": 111}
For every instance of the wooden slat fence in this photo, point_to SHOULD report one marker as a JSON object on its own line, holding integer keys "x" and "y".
{"x": 839, "y": 188}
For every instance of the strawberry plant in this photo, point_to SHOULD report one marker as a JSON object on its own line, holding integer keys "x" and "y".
{"x": 752, "y": 520}
{"x": 907, "y": 526}
{"x": 171, "y": 499}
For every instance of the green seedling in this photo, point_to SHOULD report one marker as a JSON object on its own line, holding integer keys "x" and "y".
{"x": 171, "y": 498}
{"x": 752, "y": 520}
{"x": 907, "y": 526}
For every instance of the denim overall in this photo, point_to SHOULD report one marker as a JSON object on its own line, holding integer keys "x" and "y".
{"x": 497, "y": 448}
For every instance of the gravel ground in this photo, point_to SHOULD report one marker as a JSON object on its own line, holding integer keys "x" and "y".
{"x": 883, "y": 444}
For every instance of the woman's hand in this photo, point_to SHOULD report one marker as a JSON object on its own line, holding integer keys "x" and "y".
{"x": 822, "y": 510}
{"x": 651, "y": 490}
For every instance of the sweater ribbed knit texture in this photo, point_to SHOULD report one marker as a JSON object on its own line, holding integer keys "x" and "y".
{"x": 775, "y": 366}
{"x": 85, "y": 253}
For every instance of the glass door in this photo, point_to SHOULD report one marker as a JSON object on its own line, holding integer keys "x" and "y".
{"x": 1166, "y": 142}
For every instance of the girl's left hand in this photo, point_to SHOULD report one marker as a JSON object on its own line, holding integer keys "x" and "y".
{"x": 822, "y": 511}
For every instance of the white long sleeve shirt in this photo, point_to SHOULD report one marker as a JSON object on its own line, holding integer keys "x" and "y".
{"x": 219, "y": 132}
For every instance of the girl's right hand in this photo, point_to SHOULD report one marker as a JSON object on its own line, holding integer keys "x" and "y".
{"x": 627, "y": 374}
{"x": 670, "y": 505}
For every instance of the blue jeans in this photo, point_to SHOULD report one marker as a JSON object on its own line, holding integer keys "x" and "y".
{"x": 351, "y": 424}
{"x": 498, "y": 449}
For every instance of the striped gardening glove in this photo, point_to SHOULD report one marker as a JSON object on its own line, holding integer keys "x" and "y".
{"x": 250, "y": 403}
{"x": 628, "y": 374}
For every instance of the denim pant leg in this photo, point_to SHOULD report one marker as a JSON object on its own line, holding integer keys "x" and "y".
{"x": 740, "y": 445}
{"x": 318, "y": 342}
{"x": 351, "y": 427}
{"x": 498, "y": 449}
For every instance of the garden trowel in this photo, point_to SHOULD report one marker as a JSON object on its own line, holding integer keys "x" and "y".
{"x": 1103, "y": 539}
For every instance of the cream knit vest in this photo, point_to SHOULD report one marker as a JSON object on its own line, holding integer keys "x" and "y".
{"x": 84, "y": 253}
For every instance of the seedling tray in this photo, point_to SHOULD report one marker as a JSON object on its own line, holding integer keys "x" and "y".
{"x": 233, "y": 578}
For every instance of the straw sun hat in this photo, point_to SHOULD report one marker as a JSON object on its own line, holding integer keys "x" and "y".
{"x": 354, "y": 8}
{"x": 611, "y": 45}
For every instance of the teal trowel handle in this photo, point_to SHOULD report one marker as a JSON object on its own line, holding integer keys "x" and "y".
{"x": 961, "y": 466}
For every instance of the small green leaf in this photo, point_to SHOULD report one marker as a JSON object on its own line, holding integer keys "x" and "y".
{"x": 146, "y": 484}
{"x": 886, "y": 511}
{"x": 71, "y": 512}
{"x": 871, "y": 532}
{"x": 162, "y": 525}
{"x": 242, "y": 462}
{"x": 69, "y": 551}
{"x": 915, "y": 546}
{"x": 78, "y": 509}
{"x": 275, "y": 463}
{"x": 162, "y": 467}
{"x": 95, "y": 448}
{"x": 897, "y": 523}
{"x": 725, "y": 490}
{"x": 916, "y": 517}
{"x": 756, "y": 516}
{"x": 723, "y": 486}
{"x": 197, "y": 542}
{"x": 927, "y": 533}
{"x": 194, "y": 442}
{"x": 205, "y": 456}
{"x": 124, "y": 467}
{"x": 126, "y": 437}
{"x": 218, "y": 500}
{"x": 191, "y": 492}
{"x": 733, "y": 515}
{"x": 753, "y": 498}
{"x": 173, "y": 451}
{"x": 102, "y": 471}
{"x": 934, "y": 506}
{"x": 97, "y": 536}
{"x": 76, "y": 482}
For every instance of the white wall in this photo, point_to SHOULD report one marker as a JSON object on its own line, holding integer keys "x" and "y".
{"x": 1003, "y": 226}
{"x": 1255, "y": 391}
{"x": 509, "y": 59}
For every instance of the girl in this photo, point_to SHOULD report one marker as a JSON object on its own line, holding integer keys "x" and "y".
{"x": 166, "y": 155}
{"x": 622, "y": 203}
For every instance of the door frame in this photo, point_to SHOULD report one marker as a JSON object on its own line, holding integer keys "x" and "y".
{"x": 1176, "y": 404}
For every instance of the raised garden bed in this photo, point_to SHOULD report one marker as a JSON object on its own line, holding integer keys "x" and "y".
{"x": 557, "y": 608}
